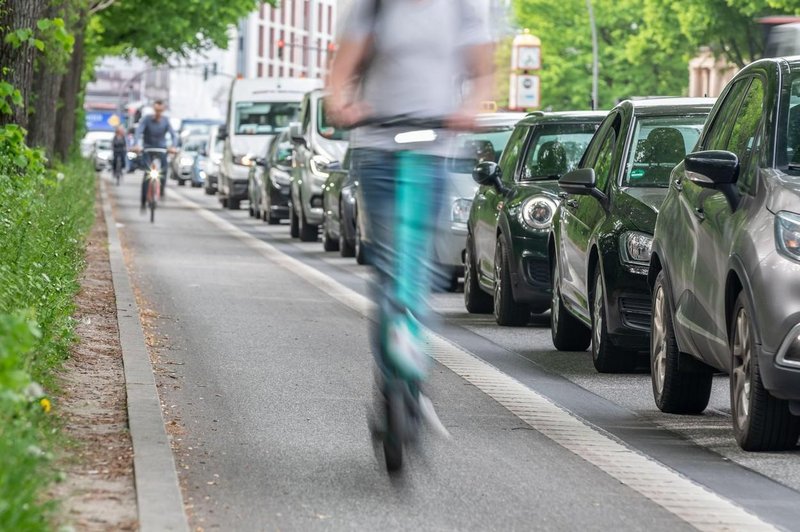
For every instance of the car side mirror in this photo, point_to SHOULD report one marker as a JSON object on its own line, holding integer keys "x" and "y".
{"x": 582, "y": 181}
{"x": 261, "y": 161}
{"x": 715, "y": 169}
{"x": 712, "y": 169}
{"x": 222, "y": 132}
{"x": 296, "y": 133}
{"x": 487, "y": 173}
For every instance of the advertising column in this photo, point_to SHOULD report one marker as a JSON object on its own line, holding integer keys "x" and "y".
{"x": 526, "y": 62}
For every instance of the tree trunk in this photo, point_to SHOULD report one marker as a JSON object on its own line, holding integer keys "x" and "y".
{"x": 70, "y": 92}
{"x": 16, "y": 15}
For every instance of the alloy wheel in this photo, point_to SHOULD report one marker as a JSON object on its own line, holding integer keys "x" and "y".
{"x": 555, "y": 304}
{"x": 498, "y": 279}
{"x": 742, "y": 360}
{"x": 597, "y": 329}
{"x": 659, "y": 341}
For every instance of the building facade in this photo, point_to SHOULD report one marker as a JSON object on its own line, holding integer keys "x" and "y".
{"x": 294, "y": 39}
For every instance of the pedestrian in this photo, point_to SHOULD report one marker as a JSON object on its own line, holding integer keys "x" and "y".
{"x": 412, "y": 61}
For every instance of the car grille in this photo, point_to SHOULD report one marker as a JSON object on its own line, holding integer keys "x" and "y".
{"x": 635, "y": 312}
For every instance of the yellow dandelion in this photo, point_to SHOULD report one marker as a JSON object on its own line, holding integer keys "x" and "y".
{"x": 45, "y": 402}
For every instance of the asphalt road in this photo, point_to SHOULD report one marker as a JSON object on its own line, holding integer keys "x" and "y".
{"x": 268, "y": 370}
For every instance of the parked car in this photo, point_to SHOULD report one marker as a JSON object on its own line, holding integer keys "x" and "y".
{"x": 183, "y": 162}
{"x": 270, "y": 181}
{"x": 603, "y": 228}
{"x": 102, "y": 154}
{"x": 725, "y": 266}
{"x": 88, "y": 141}
{"x": 486, "y": 143}
{"x": 340, "y": 205}
{"x": 316, "y": 145}
{"x": 211, "y": 155}
{"x": 506, "y": 263}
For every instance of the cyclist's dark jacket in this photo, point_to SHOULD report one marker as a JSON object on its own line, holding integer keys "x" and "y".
{"x": 120, "y": 145}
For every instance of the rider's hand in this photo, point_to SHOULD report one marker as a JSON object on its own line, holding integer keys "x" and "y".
{"x": 172, "y": 150}
{"x": 343, "y": 113}
{"x": 461, "y": 120}
{"x": 136, "y": 149}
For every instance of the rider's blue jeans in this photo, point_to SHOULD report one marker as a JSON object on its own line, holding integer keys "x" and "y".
{"x": 399, "y": 198}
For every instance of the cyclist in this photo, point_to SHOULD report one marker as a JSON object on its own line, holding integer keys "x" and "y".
{"x": 119, "y": 145}
{"x": 410, "y": 58}
{"x": 152, "y": 133}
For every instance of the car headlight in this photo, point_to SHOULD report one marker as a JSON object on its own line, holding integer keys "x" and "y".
{"x": 459, "y": 213}
{"x": 636, "y": 247}
{"x": 537, "y": 212}
{"x": 187, "y": 161}
{"x": 787, "y": 234}
{"x": 243, "y": 160}
{"x": 319, "y": 166}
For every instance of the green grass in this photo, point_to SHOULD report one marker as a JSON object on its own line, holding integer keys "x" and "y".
{"x": 44, "y": 218}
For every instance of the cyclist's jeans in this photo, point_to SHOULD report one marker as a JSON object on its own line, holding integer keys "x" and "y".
{"x": 147, "y": 157}
{"x": 399, "y": 199}
{"x": 119, "y": 162}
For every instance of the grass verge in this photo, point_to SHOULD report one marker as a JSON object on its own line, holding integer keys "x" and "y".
{"x": 44, "y": 218}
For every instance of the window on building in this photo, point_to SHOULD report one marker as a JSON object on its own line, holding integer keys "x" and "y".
{"x": 330, "y": 20}
{"x": 260, "y": 40}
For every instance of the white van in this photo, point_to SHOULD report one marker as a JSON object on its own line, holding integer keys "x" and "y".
{"x": 258, "y": 109}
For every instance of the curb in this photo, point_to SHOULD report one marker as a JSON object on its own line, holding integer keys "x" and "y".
{"x": 158, "y": 494}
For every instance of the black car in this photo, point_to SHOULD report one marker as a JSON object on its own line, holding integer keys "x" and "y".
{"x": 603, "y": 228}
{"x": 725, "y": 266}
{"x": 270, "y": 181}
{"x": 506, "y": 269}
{"x": 340, "y": 205}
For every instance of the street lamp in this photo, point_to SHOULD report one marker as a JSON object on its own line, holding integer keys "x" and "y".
{"x": 595, "y": 59}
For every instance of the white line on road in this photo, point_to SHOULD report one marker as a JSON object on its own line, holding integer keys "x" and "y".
{"x": 691, "y": 502}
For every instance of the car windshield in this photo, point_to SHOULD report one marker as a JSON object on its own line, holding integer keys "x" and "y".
{"x": 659, "y": 144}
{"x": 103, "y": 144}
{"x": 324, "y": 128}
{"x": 264, "y": 118}
{"x": 193, "y": 145}
{"x": 555, "y": 149}
{"x": 473, "y": 148}
{"x": 793, "y": 127}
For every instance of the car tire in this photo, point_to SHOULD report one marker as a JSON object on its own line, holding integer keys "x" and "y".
{"x": 475, "y": 299}
{"x": 233, "y": 205}
{"x": 308, "y": 232}
{"x": 210, "y": 191}
{"x": 606, "y": 357}
{"x": 181, "y": 182}
{"x": 346, "y": 249}
{"x": 507, "y": 312}
{"x": 567, "y": 331}
{"x": 224, "y": 202}
{"x": 250, "y": 210}
{"x": 358, "y": 246}
{"x": 679, "y": 386}
{"x": 328, "y": 243}
{"x": 294, "y": 223}
{"x": 761, "y": 422}
{"x": 451, "y": 280}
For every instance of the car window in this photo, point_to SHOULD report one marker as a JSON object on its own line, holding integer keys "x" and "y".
{"x": 306, "y": 115}
{"x": 470, "y": 149}
{"x": 719, "y": 131}
{"x": 510, "y": 156}
{"x": 793, "y": 126}
{"x": 659, "y": 143}
{"x": 744, "y": 134}
{"x": 604, "y": 161}
{"x": 325, "y": 128}
{"x": 261, "y": 118}
{"x": 555, "y": 149}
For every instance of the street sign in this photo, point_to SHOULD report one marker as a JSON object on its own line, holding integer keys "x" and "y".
{"x": 529, "y": 58}
{"x": 102, "y": 120}
{"x": 525, "y": 91}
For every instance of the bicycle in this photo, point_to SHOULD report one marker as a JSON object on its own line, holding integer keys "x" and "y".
{"x": 402, "y": 359}
{"x": 154, "y": 178}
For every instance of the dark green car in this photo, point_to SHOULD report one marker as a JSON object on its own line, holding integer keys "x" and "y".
{"x": 603, "y": 228}
{"x": 506, "y": 269}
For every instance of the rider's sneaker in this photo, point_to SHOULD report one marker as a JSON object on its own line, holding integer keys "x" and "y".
{"x": 405, "y": 349}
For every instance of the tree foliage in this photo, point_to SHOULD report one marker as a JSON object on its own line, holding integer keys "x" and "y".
{"x": 160, "y": 30}
{"x": 644, "y": 45}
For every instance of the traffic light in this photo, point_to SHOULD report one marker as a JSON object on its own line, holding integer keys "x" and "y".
{"x": 281, "y": 46}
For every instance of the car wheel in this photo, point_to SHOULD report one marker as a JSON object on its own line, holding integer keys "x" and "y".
{"x": 567, "y": 331}
{"x": 308, "y": 232}
{"x": 451, "y": 282}
{"x": 358, "y": 245}
{"x": 233, "y": 205}
{"x": 328, "y": 243}
{"x": 224, "y": 202}
{"x": 346, "y": 249}
{"x": 294, "y": 223}
{"x": 181, "y": 182}
{"x": 475, "y": 299}
{"x": 606, "y": 357}
{"x": 761, "y": 422}
{"x": 679, "y": 387}
{"x": 250, "y": 209}
{"x": 506, "y": 311}
{"x": 210, "y": 191}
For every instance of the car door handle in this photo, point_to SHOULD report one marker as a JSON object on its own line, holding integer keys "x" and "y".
{"x": 677, "y": 184}
{"x": 572, "y": 204}
{"x": 700, "y": 213}
{"x": 563, "y": 195}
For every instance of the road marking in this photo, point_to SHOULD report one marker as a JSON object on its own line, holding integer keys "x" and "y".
{"x": 684, "y": 498}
